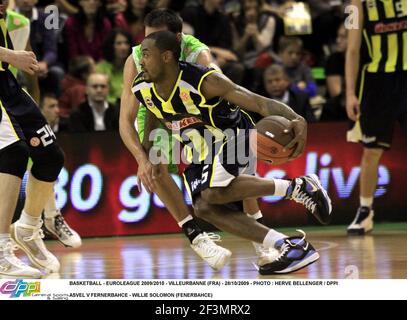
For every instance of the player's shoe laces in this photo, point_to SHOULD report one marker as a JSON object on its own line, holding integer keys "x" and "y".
{"x": 363, "y": 222}
{"x": 264, "y": 255}
{"x": 29, "y": 239}
{"x": 11, "y": 266}
{"x": 308, "y": 191}
{"x": 205, "y": 247}
{"x": 295, "y": 253}
{"x": 59, "y": 228}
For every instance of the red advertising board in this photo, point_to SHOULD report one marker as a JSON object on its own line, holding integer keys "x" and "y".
{"x": 98, "y": 194}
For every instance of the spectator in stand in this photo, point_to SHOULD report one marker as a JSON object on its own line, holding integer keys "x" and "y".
{"x": 50, "y": 110}
{"x": 44, "y": 44}
{"x": 95, "y": 114}
{"x": 74, "y": 84}
{"x": 290, "y": 53}
{"x": 214, "y": 29}
{"x": 335, "y": 108}
{"x": 277, "y": 86}
{"x": 131, "y": 20}
{"x": 116, "y": 49}
{"x": 86, "y": 31}
{"x": 253, "y": 33}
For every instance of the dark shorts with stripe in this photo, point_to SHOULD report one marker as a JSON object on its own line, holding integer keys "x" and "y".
{"x": 383, "y": 103}
{"x": 26, "y": 118}
{"x": 219, "y": 169}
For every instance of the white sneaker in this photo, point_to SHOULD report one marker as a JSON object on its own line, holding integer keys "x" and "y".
{"x": 363, "y": 222}
{"x": 29, "y": 239}
{"x": 205, "y": 247}
{"x": 59, "y": 228}
{"x": 11, "y": 266}
{"x": 264, "y": 255}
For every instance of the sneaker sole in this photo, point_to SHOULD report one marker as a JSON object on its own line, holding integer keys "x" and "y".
{"x": 358, "y": 232}
{"x": 19, "y": 276}
{"x": 27, "y": 251}
{"x": 304, "y": 263}
{"x": 316, "y": 180}
{"x": 222, "y": 262}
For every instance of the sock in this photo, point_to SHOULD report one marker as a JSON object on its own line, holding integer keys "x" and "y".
{"x": 272, "y": 237}
{"x": 258, "y": 216}
{"x": 190, "y": 228}
{"x": 281, "y": 187}
{"x": 366, "y": 202}
{"x": 25, "y": 218}
{"x": 4, "y": 238}
{"x": 50, "y": 209}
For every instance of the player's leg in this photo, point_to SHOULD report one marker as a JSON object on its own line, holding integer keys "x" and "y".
{"x": 13, "y": 163}
{"x": 55, "y": 224}
{"x": 48, "y": 160}
{"x": 294, "y": 252}
{"x": 378, "y": 106}
{"x": 306, "y": 190}
{"x": 252, "y": 209}
{"x": 167, "y": 190}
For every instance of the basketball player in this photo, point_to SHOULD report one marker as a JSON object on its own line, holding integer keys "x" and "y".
{"x": 382, "y": 94}
{"x": 24, "y": 132}
{"x": 168, "y": 192}
{"x": 195, "y": 98}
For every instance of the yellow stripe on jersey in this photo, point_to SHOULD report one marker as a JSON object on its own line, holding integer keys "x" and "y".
{"x": 369, "y": 46}
{"x": 167, "y": 105}
{"x": 199, "y": 143}
{"x": 3, "y": 27}
{"x": 188, "y": 102}
{"x": 392, "y": 49}
{"x": 248, "y": 115}
{"x": 7, "y": 118}
{"x": 404, "y": 50}
{"x": 203, "y": 99}
{"x": 217, "y": 133}
{"x": 146, "y": 93}
{"x": 389, "y": 8}
{"x": 372, "y": 12}
{"x": 376, "y": 53}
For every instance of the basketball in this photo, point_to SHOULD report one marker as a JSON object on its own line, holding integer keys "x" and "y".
{"x": 272, "y": 136}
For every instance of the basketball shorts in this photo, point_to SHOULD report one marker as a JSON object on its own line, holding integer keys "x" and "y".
{"x": 21, "y": 119}
{"x": 162, "y": 140}
{"x": 220, "y": 169}
{"x": 383, "y": 103}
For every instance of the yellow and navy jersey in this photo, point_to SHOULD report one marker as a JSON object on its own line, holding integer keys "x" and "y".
{"x": 187, "y": 113}
{"x": 385, "y": 35}
{"x": 5, "y": 42}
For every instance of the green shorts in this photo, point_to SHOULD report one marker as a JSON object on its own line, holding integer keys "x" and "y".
{"x": 162, "y": 142}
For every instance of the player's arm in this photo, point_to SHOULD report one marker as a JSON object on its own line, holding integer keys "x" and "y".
{"x": 352, "y": 64}
{"x": 205, "y": 59}
{"x": 33, "y": 87}
{"x": 23, "y": 60}
{"x": 128, "y": 113}
{"x": 217, "y": 84}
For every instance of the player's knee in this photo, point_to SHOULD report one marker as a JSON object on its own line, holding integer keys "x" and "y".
{"x": 201, "y": 208}
{"x": 14, "y": 158}
{"x": 47, "y": 163}
{"x": 214, "y": 196}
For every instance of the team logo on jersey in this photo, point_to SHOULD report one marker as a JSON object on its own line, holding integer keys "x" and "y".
{"x": 35, "y": 142}
{"x": 184, "y": 96}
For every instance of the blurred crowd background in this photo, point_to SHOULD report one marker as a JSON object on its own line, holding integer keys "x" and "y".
{"x": 293, "y": 51}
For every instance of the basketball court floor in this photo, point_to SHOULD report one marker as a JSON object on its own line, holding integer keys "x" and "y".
{"x": 381, "y": 255}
